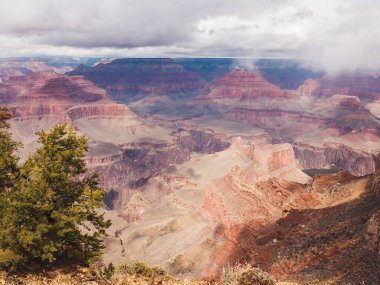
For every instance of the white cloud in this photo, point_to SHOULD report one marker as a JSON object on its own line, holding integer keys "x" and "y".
{"x": 335, "y": 34}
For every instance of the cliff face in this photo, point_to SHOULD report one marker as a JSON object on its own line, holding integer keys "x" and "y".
{"x": 139, "y": 163}
{"x": 128, "y": 77}
{"x": 44, "y": 99}
{"x": 266, "y": 162}
{"x": 109, "y": 110}
{"x": 201, "y": 142}
{"x": 47, "y": 93}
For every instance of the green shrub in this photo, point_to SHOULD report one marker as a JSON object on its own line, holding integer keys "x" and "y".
{"x": 49, "y": 211}
{"x": 142, "y": 269}
{"x": 109, "y": 271}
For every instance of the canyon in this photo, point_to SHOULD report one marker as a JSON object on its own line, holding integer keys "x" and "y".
{"x": 206, "y": 162}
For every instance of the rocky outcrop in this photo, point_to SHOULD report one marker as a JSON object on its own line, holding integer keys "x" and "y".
{"x": 351, "y": 115}
{"x": 45, "y": 99}
{"x": 357, "y": 162}
{"x": 38, "y": 110}
{"x": 138, "y": 164}
{"x": 103, "y": 160}
{"x": 310, "y": 86}
{"x": 351, "y": 102}
{"x": 319, "y": 234}
{"x": 47, "y": 94}
{"x": 243, "y": 85}
{"x": 201, "y": 141}
{"x": 259, "y": 193}
{"x": 142, "y": 161}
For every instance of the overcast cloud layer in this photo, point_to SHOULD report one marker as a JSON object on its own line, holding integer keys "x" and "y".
{"x": 334, "y": 34}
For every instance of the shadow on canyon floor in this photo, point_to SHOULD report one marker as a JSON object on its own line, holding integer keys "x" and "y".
{"x": 338, "y": 244}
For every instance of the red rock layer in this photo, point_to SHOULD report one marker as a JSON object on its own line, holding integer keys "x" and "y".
{"x": 246, "y": 194}
{"x": 48, "y": 94}
{"x": 325, "y": 231}
{"x": 269, "y": 119}
{"x": 240, "y": 84}
{"x": 99, "y": 110}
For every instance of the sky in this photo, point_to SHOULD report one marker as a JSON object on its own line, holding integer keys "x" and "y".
{"x": 333, "y": 35}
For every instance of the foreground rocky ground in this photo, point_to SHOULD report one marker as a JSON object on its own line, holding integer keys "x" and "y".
{"x": 85, "y": 276}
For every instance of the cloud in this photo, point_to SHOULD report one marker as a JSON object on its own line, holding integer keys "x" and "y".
{"x": 335, "y": 35}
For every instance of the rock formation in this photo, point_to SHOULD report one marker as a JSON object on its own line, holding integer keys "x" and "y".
{"x": 139, "y": 162}
{"x": 44, "y": 99}
{"x": 356, "y": 162}
{"x": 130, "y": 77}
{"x": 364, "y": 85}
{"x": 260, "y": 192}
{"x": 243, "y": 85}
{"x": 50, "y": 86}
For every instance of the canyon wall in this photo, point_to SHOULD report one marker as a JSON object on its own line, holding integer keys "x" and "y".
{"x": 125, "y": 78}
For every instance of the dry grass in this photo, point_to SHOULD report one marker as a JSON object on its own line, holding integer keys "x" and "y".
{"x": 245, "y": 275}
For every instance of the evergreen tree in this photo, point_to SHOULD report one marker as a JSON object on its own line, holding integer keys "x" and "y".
{"x": 8, "y": 162}
{"x": 53, "y": 213}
